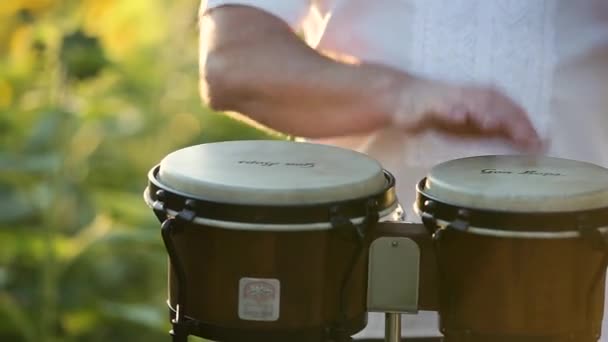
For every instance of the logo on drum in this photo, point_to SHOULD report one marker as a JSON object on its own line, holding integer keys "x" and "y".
{"x": 259, "y": 299}
{"x": 264, "y": 163}
{"x": 525, "y": 172}
{"x": 259, "y": 291}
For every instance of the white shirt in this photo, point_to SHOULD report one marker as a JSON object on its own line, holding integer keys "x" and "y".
{"x": 551, "y": 56}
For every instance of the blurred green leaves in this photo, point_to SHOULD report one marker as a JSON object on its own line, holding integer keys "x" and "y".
{"x": 93, "y": 93}
{"x": 81, "y": 55}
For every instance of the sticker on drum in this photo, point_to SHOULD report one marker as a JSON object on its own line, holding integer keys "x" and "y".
{"x": 259, "y": 299}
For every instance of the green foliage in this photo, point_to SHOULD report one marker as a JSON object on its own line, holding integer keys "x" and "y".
{"x": 81, "y": 55}
{"x": 93, "y": 93}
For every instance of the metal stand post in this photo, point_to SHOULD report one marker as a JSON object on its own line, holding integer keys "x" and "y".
{"x": 178, "y": 336}
{"x": 393, "y": 280}
{"x": 392, "y": 332}
{"x": 180, "y": 328}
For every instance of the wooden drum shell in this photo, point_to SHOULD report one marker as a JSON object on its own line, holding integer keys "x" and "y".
{"x": 310, "y": 266}
{"x": 519, "y": 289}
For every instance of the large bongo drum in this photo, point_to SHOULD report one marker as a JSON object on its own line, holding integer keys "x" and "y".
{"x": 266, "y": 239}
{"x": 521, "y": 247}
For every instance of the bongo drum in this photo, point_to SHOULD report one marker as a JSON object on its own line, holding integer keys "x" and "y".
{"x": 266, "y": 239}
{"x": 521, "y": 247}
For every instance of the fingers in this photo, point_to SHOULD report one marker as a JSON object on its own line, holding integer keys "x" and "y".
{"x": 458, "y": 115}
{"x": 515, "y": 123}
{"x": 523, "y": 135}
{"x": 494, "y": 114}
{"x": 468, "y": 112}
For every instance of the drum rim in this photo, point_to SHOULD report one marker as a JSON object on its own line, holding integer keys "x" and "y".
{"x": 505, "y": 223}
{"x": 211, "y": 330}
{"x": 295, "y": 216}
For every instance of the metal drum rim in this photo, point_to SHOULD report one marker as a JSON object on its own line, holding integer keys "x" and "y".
{"x": 309, "y": 217}
{"x": 510, "y": 224}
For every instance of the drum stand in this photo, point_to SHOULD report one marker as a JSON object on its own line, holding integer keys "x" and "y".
{"x": 394, "y": 270}
{"x": 392, "y": 331}
{"x": 179, "y": 331}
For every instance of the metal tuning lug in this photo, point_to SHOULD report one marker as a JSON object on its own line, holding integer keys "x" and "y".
{"x": 461, "y": 223}
{"x": 158, "y": 206}
{"x": 427, "y": 216}
{"x": 592, "y": 234}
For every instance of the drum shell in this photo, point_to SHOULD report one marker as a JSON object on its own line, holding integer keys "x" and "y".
{"x": 514, "y": 288}
{"x": 310, "y": 266}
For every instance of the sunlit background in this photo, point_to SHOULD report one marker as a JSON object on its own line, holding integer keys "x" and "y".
{"x": 93, "y": 93}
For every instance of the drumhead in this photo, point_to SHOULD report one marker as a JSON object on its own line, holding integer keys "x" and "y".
{"x": 519, "y": 184}
{"x": 271, "y": 173}
{"x": 272, "y": 186}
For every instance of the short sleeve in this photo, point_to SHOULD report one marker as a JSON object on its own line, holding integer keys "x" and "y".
{"x": 290, "y": 11}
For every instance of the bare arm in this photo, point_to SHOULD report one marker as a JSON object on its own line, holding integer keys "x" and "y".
{"x": 252, "y": 63}
{"x": 261, "y": 68}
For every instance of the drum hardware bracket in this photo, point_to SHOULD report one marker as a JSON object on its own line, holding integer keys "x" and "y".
{"x": 342, "y": 223}
{"x": 169, "y": 228}
{"x": 429, "y": 220}
{"x": 159, "y": 206}
{"x": 427, "y": 216}
{"x": 594, "y": 237}
{"x": 461, "y": 223}
{"x": 344, "y": 226}
{"x": 592, "y": 234}
{"x": 336, "y": 332}
{"x": 180, "y": 330}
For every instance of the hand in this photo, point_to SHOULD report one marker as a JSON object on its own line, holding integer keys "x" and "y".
{"x": 464, "y": 111}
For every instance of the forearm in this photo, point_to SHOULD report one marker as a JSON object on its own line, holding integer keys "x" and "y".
{"x": 269, "y": 74}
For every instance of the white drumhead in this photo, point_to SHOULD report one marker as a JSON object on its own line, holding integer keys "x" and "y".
{"x": 271, "y": 172}
{"x": 519, "y": 183}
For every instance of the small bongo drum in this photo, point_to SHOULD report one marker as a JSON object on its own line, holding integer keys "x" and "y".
{"x": 521, "y": 247}
{"x": 266, "y": 238}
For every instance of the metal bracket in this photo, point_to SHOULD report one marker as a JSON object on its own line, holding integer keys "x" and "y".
{"x": 592, "y": 234}
{"x": 169, "y": 228}
{"x": 393, "y": 275}
{"x": 359, "y": 233}
{"x": 461, "y": 223}
{"x": 430, "y": 222}
{"x": 159, "y": 206}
